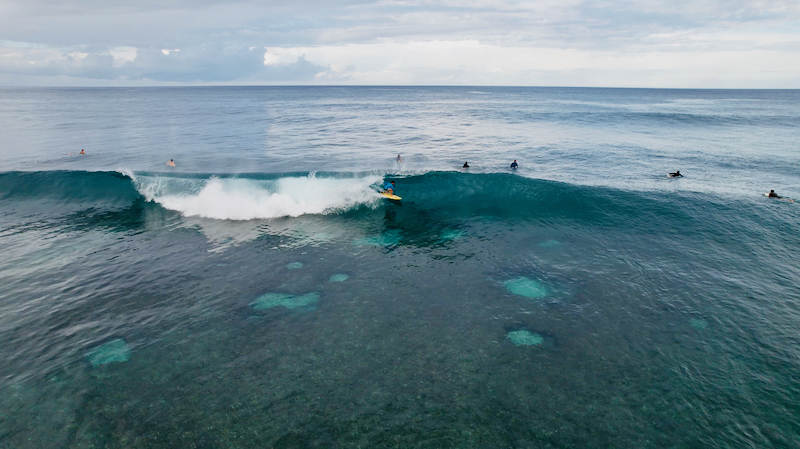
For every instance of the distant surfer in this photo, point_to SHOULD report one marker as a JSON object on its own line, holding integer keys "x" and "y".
{"x": 772, "y": 194}
{"x": 465, "y": 165}
{"x": 388, "y": 187}
{"x": 514, "y": 165}
{"x": 72, "y": 154}
{"x": 82, "y": 151}
{"x": 677, "y": 174}
{"x": 399, "y": 159}
{"x": 171, "y": 163}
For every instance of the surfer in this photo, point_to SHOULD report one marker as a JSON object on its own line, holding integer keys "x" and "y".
{"x": 465, "y": 165}
{"x": 772, "y": 194}
{"x": 514, "y": 165}
{"x": 82, "y": 151}
{"x": 171, "y": 163}
{"x": 388, "y": 187}
{"x": 677, "y": 174}
{"x": 399, "y": 159}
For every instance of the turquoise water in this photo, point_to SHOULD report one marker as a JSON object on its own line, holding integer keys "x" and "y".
{"x": 262, "y": 294}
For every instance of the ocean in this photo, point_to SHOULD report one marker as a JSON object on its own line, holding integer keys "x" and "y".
{"x": 261, "y": 293}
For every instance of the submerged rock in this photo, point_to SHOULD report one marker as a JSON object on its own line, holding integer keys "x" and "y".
{"x": 698, "y": 323}
{"x": 295, "y": 265}
{"x": 525, "y": 338}
{"x": 549, "y": 244}
{"x": 526, "y": 287}
{"x": 270, "y": 300}
{"x": 113, "y": 351}
{"x": 389, "y": 238}
{"x": 338, "y": 278}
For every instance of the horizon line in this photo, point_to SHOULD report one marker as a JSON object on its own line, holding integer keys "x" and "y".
{"x": 392, "y": 86}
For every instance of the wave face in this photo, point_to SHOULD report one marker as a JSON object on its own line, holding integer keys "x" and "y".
{"x": 68, "y": 187}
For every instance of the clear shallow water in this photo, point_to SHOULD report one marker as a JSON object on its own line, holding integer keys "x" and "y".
{"x": 227, "y": 303}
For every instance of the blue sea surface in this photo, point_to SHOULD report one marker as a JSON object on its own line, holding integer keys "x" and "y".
{"x": 261, "y": 293}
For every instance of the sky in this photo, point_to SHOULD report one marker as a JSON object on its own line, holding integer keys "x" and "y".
{"x": 589, "y": 43}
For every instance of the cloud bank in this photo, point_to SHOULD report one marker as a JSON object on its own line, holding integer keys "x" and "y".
{"x": 647, "y": 43}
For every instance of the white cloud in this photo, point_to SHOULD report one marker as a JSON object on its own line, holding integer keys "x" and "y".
{"x": 122, "y": 55}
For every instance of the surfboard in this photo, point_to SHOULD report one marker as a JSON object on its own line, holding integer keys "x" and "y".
{"x": 391, "y": 197}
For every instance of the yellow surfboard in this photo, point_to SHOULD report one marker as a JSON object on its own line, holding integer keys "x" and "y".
{"x": 391, "y": 197}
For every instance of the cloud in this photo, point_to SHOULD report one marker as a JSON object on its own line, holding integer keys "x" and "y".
{"x": 204, "y": 64}
{"x": 402, "y": 41}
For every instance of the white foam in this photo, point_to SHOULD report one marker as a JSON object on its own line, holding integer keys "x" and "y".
{"x": 249, "y": 199}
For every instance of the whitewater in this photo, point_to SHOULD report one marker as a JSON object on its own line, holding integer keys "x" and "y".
{"x": 238, "y": 198}
{"x": 261, "y": 293}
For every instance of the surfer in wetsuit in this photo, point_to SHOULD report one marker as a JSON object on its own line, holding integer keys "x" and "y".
{"x": 677, "y": 174}
{"x": 465, "y": 165}
{"x": 388, "y": 187}
{"x": 772, "y": 194}
{"x": 514, "y": 165}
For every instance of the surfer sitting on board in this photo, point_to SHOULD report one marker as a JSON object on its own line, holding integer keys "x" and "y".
{"x": 514, "y": 164}
{"x": 388, "y": 187}
{"x": 772, "y": 194}
{"x": 465, "y": 165}
{"x": 677, "y": 174}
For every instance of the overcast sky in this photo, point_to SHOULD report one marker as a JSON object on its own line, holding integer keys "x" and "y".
{"x": 613, "y": 43}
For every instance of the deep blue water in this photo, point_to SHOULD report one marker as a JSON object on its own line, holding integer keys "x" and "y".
{"x": 261, "y": 294}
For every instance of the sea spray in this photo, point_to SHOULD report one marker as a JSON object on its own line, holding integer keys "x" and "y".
{"x": 248, "y": 199}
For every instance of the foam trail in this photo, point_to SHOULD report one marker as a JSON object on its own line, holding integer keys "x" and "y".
{"x": 248, "y": 199}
